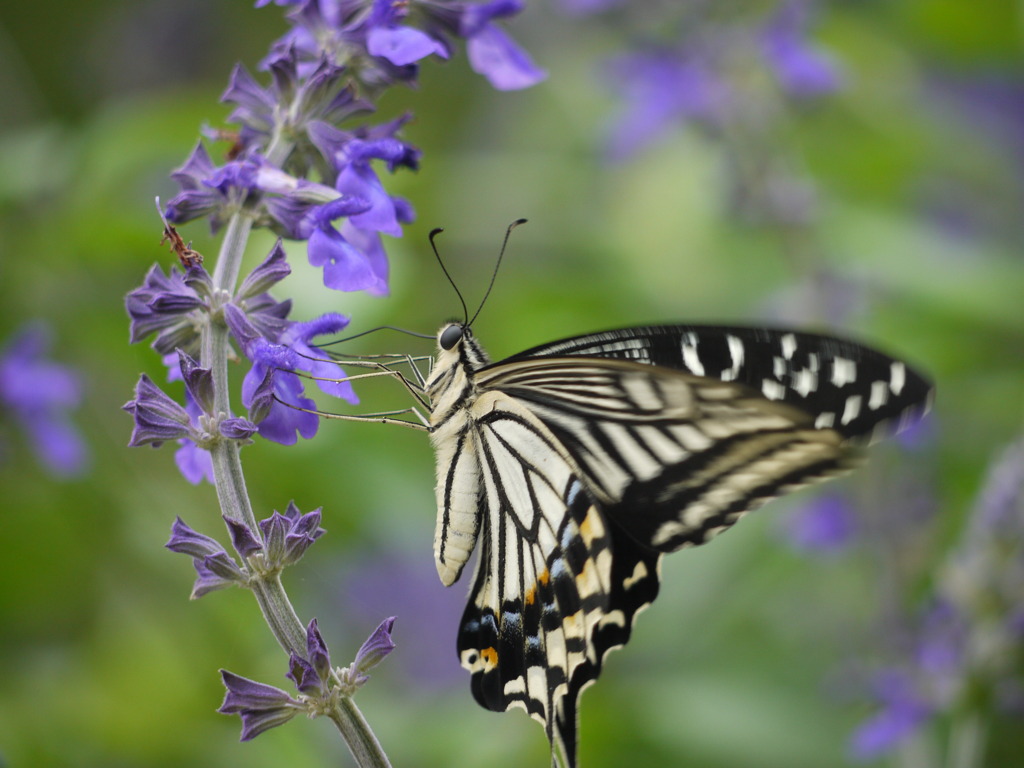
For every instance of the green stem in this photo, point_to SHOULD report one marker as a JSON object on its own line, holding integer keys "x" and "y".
{"x": 966, "y": 742}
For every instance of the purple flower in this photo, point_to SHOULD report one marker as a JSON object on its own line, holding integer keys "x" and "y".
{"x": 288, "y": 536}
{"x": 492, "y": 53}
{"x": 274, "y": 362}
{"x": 377, "y": 646}
{"x": 660, "y": 90}
{"x": 37, "y": 394}
{"x": 827, "y": 524}
{"x": 801, "y": 69}
{"x": 260, "y": 706}
{"x": 903, "y": 712}
{"x": 196, "y": 198}
{"x": 243, "y": 539}
{"x": 215, "y": 568}
{"x": 401, "y": 45}
{"x": 312, "y": 673}
{"x": 157, "y": 418}
{"x": 173, "y": 306}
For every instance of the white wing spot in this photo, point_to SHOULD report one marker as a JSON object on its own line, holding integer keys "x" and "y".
{"x": 778, "y": 367}
{"x": 825, "y": 420}
{"x": 772, "y": 389}
{"x": 804, "y": 382}
{"x": 736, "y": 352}
{"x": 843, "y": 371}
{"x": 788, "y": 343}
{"x": 638, "y": 573}
{"x": 852, "y": 409}
{"x": 897, "y": 377}
{"x": 879, "y": 395}
{"x": 690, "y": 357}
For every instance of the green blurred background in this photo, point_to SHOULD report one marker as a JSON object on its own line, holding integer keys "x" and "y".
{"x": 747, "y": 658}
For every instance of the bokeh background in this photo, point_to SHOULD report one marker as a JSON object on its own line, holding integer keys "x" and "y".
{"x": 902, "y": 228}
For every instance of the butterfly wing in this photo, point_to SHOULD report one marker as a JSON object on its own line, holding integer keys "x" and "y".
{"x": 670, "y": 457}
{"x": 858, "y": 391}
{"x": 556, "y": 587}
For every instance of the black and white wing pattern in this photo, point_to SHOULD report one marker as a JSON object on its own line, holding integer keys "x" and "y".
{"x": 578, "y": 463}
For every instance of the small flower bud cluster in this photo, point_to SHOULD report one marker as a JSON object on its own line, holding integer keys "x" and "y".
{"x": 263, "y": 706}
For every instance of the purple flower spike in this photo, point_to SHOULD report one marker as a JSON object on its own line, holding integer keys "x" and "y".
{"x": 260, "y": 706}
{"x": 157, "y": 417}
{"x": 37, "y": 393}
{"x": 378, "y": 645}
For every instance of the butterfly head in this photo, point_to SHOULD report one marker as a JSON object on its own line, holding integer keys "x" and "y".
{"x": 450, "y": 336}
{"x": 457, "y": 347}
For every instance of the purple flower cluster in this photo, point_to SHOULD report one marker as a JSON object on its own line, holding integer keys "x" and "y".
{"x": 285, "y": 540}
{"x": 174, "y": 308}
{"x": 263, "y": 706}
{"x": 337, "y": 56}
{"x": 37, "y": 394}
{"x": 705, "y": 76}
{"x": 966, "y": 655}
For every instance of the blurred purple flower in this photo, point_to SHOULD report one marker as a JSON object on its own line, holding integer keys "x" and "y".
{"x": 660, "y": 90}
{"x": 802, "y": 70}
{"x": 406, "y": 583}
{"x": 902, "y": 713}
{"x": 827, "y": 524}
{"x": 492, "y": 53}
{"x": 38, "y": 394}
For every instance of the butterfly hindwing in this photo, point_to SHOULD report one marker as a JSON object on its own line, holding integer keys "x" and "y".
{"x": 554, "y": 589}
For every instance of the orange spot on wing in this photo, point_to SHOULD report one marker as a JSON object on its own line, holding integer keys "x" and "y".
{"x": 490, "y": 657}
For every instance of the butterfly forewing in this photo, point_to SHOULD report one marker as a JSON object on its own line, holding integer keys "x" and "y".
{"x": 846, "y": 386}
{"x": 589, "y": 457}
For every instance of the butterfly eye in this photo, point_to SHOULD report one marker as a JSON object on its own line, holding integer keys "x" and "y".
{"x": 450, "y": 336}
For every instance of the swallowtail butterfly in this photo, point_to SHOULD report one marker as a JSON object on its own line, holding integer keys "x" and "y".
{"x": 576, "y": 465}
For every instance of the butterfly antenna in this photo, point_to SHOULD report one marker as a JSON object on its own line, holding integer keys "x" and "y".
{"x": 433, "y": 234}
{"x": 494, "y": 276}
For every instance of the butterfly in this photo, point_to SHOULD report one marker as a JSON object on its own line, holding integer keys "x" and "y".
{"x": 576, "y": 465}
